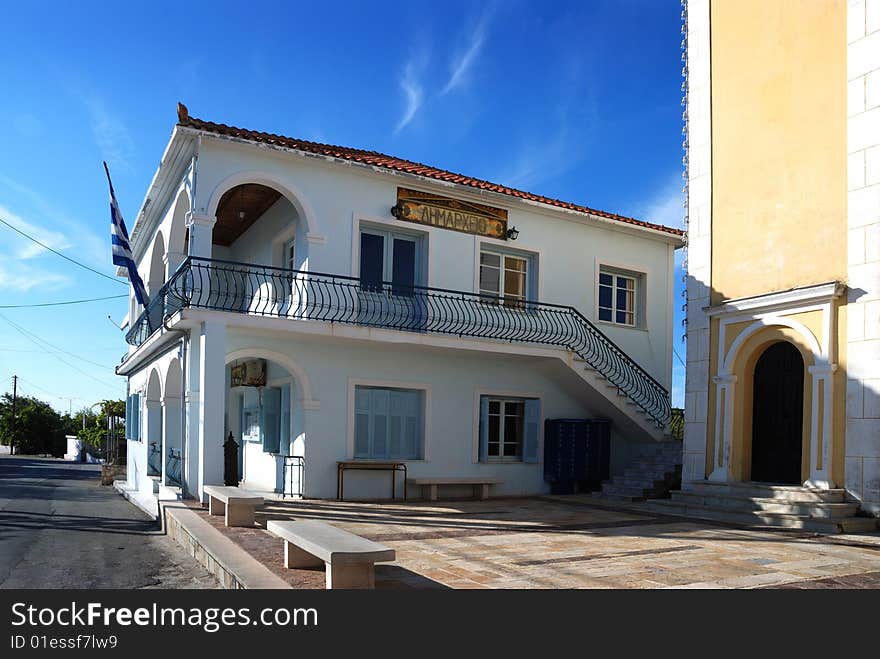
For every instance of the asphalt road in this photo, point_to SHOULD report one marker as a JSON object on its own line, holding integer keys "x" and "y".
{"x": 60, "y": 528}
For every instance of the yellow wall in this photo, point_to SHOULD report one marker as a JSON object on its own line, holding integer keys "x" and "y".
{"x": 778, "y": 145}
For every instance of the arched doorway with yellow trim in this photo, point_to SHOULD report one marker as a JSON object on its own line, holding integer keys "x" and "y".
{"x": 772, "y": 411}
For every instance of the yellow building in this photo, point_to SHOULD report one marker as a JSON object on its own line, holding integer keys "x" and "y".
{"x": 783, "y": 290}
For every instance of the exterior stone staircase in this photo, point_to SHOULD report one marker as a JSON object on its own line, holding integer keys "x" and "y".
{"x": 648, "y": 477}
{"x": 762, "y": 504}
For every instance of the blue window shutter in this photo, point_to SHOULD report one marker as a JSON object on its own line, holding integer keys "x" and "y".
{"x": 484, "y": 428}
{"x": 530, "y": 429}
{"x": 362, "y": 414}
{"x": 270, "y": 419}
{"x": 128, "y": 416}
{"x": 379, "y": 423}
{"x": 136, "y": 417}
{"x": 284, "y": 437}
{"x": 240, "y": 419}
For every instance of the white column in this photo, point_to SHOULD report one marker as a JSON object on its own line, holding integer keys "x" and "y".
{"x": 212, "y": 402}
{"x": 201, "y": 230}
{"x": 153, "y": 430}
{"x": 699, "y": 248}
{"x": 862, "y": 461}
{"x": 724, "y": 397}
{"x": 821, "y": 426}
{"x": 191, "y": 410}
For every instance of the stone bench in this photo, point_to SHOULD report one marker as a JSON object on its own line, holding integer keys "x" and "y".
{"x": 431, "y": 483}
{"x": 236, "y": 504}
{"x": 349, "y": 559}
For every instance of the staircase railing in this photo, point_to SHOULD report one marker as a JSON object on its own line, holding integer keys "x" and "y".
{"x": 309, "y": 296}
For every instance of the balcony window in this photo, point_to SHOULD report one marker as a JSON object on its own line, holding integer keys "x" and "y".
{"x": 390, "y": 256}
{"x": 618, "y": 297}
{"x": 504, "y": 277}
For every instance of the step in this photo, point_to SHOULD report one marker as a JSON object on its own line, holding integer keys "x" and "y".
{"x": 655, "y": 474}
{"x": 767, "y": 491}
{"x": 170, "y": 493}
{"x": 646, "y": 483}
{"x": 815, "y": 509}
{"x": 654, "y": 467}
{"x": 763, "y": 518}
{"x": 629, "y": 491}
{"x": 157, "y": 482}
{"x": 622, "y": 498}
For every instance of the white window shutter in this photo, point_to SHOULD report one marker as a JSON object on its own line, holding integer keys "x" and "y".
{"x": 284, "y": 438}
{"x": 271, "y": 421}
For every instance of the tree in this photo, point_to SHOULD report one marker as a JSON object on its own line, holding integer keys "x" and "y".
{"x": 38, "y": 428}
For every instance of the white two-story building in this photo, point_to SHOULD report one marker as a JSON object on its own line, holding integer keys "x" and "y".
{"x": 325, "y": 304}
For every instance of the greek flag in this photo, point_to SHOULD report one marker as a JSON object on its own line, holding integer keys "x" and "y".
{"x": 121, "y": 247}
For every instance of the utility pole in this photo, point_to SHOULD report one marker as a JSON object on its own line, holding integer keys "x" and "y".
{"x": 14, "y": 400}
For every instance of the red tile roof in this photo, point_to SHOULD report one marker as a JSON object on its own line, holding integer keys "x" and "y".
{"x": 376, "y": 159}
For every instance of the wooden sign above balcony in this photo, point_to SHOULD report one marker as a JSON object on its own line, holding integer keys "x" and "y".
{"x": 453, "y": 214}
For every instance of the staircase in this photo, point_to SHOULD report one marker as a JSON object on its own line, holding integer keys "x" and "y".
{"x": 649, "y": 477}
{"x": 762, "y": 504}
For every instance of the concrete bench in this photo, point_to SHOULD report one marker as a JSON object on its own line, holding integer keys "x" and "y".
{"x": 430, "y": 484}
{"x": 236, "y": 504}
{"x": 349, "y": 559}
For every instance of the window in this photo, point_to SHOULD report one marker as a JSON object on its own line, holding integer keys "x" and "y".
{"x": 504, "y": 278}
{"x": 509, "y": 429}
{"x": 618, "y": 297}
{"x": 388, "y": 423}
{"x": 389, "y": 257}
{"x": 265, "y": 417}
{"x": 133, "y": 417}
{"x": 289, "y": 255}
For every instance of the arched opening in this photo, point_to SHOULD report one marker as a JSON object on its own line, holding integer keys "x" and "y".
{"x": 177, "y": 233}
{"x": 154, "y": 424}
{"x": 778, "y": 415}
{"x": 258, "y": 224}
{"x": 172, "y": 414}
{"x": 156, "y": 279}
{"x": 260, "y": 395}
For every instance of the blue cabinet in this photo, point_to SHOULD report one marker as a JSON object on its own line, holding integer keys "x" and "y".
{"x": 577, "y": 454}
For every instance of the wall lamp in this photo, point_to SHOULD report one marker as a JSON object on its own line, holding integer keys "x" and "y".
{"x": 513, "y": 233}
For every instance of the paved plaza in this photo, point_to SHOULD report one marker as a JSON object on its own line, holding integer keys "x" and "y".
{"x": 568, "y": 542}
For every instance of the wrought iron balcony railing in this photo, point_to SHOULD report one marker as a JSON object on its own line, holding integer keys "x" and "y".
{"x": 201, "y": 283}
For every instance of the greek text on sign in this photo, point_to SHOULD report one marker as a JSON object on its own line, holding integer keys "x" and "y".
{"x": 454, "y": 214}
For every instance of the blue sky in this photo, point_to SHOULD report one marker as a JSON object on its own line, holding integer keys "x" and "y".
{"x": 577, "y": 100}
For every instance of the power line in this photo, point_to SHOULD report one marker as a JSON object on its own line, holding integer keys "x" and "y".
{"x": 56, "y": 304}
{"x": 63, "y": 256}
{"x": 37, "y": 340}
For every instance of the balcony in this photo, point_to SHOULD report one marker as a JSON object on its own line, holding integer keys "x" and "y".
{"x": 212, "y": 284}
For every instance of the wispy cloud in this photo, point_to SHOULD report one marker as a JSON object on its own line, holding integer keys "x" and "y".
{"x": 464, "y": 60}
{"x": 666, "y": 206}
{"x": 412, "y": 88}
{"x": 21, "y": 278}
{"x": 110, "y": 133}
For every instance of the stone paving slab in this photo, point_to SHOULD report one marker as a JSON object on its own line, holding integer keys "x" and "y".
{"x": 567, "y": 542}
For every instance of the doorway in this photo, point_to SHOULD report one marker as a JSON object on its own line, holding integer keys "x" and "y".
{"x": 778, "y": 415}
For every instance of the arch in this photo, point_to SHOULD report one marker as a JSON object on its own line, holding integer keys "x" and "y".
{"x": 302, "y": 379}
{"x": 290, "y": 191}
{"x": 156, "y": 276}
{"x": 812, "y": 343}
{"x": 172, "y": 380}
{"x": 177, "y": 229}
{"x": 154, "y": 386}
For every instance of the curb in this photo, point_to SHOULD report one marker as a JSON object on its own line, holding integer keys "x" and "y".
{"x": 232, "y": 565}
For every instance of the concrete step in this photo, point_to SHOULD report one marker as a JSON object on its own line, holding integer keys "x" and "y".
{"x": 814, "y": 509}
{"x": 763, "y": 518}
{"x": 157, "y": 482}
{"x": 629, "y": 491}
{"x": 652, "y": 469}
{"x": 623, "y": 498}
{"x": 170, "y": 493}
{"x": 767, "y": 491}
{"x": 645, "y": 483}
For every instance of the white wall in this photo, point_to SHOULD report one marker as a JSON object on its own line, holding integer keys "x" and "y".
{"x": 568, "y": 250}
{"x": 455, "y": 379}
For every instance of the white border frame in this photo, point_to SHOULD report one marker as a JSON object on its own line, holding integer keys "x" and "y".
{"x": 475, "y": 426}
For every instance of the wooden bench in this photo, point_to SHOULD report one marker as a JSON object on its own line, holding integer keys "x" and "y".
{"x": 236, "y": 504}
{"x": 430, "y": 484}
{"x": 349, "y": 560}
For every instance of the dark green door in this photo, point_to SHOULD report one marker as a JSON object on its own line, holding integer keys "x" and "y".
{"x": 778, "y": 416}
